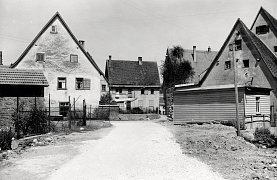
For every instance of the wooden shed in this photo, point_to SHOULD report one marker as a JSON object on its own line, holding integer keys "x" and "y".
{"x": 204, "y": 104}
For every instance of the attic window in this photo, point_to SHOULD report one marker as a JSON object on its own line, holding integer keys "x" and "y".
{"x": 230, "y": 47}
{"x": 246, "y": 63}
{"x": 40, "y": 57}
{"x": 73, "y": 58}
{"x": 54, "y": 29}
{"x": 227, "y": 65}
{"x": 262, "y": 29}
{"x": 238, "y": 44}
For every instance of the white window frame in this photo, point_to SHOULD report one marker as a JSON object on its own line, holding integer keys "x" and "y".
{"x": 55, "y": 29}
{"x": 59, "y": 80}
{"x": 74, "y": 58}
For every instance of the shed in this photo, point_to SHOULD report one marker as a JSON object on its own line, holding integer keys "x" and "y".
{"x": 217, "y": 103}
{"x": 17, "y": 86}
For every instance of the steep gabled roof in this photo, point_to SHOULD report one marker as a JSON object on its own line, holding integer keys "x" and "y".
{"x": 270, "y": 19}
{"x": 265, "y": 54}
{"x": 121, "y": 72}
{"x": 10, "y": 76}
{"x": 203, "y": 61}
{"x": 56, "y": 16}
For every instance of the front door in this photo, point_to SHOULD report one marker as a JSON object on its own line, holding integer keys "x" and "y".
{"x": 128, "y": 105}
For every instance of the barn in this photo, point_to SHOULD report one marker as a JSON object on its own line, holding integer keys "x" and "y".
{"x": 217, "y": 103}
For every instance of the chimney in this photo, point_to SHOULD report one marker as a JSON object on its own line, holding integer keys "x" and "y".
{"x": 209, "y": 49}
{"x": 1, "y": 61}
{"x": 110, "y": 57}
{"x": 140, "y": 60}
{"x": 194, "y": 53}
{"x": 82, "y": 43}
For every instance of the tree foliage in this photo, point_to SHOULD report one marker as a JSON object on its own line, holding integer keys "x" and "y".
{"x": 105, "y": 99}
{"x": 175, "y": 69}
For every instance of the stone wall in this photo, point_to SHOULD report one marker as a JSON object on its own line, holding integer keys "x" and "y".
{"x": 8, "y": 106}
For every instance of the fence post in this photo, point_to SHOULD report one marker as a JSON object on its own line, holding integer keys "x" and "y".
{"x": 264, "y": 121}
{"x": 49, "y": 104}
{"x": 84, "y": 113}
{"x": 90, "y": 112}
{"x": 74, "y": 112}
{"x": 69, "y": 114}
{"x": 17, "y": 118}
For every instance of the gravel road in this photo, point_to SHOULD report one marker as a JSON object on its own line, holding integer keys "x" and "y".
{"x": 134, "y": 150}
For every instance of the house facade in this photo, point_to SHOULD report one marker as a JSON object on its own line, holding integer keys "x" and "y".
{"x": 69, "y": 69}
{"x": 251, "y": 59}
{"x": 134, "y": 84}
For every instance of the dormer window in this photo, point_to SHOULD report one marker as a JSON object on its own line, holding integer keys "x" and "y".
{"x": 40, "y": 57}
{"x": 262, "y": 29}
{"x": 73, "y": 58}
{"x": 53, "y": 29}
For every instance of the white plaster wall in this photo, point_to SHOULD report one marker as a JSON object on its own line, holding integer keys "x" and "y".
{"x": 57, "y": 49}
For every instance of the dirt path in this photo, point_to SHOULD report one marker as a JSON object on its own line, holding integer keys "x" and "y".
{"x": 134, "y": 150}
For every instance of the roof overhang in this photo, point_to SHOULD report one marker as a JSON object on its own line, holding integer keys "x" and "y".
{"x": 134, "y": 86}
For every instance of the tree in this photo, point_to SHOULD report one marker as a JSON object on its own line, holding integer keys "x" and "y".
{"x": 175, "y": 69}
{"x": 105, "y": 99}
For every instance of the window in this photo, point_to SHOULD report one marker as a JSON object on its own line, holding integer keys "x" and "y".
{"x": 230, "y": 47}
{"x": 238, "y": 44}
{"x": 246, "y": 63}
{"x": 140, "y": 103}
{"x": 262, "y": 29}
{"x": 73, "y": 58}
{"x": 64, "y": 108}
{"x": 82, "y": 84}
{"x": 275, "y": 49}
{"x": 40, "y": 57}
{"x": 118, "y": 90}
{"x": 103, "y": 87}
{"x": 142, "y": 91}
{"x": 53, "y": 29}
{"x": 152, "y": 91}
{"x": 61, "y": 83}
{"x": 129, "y": 91}
{"x": 258, "y": 107}
{"x": 227, "y": 65}
{"x": 151, "y": 103}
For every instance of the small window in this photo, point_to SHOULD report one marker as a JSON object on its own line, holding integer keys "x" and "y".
{"x": 82, "y": 84}
{"x": 246, "y": 63}
{"x": 227, "y": 64}
{"x": 152, "y": 91}
{"x": 142, "y": 91}
{"x": 53, "y": 29}
{"x": 151, "y": 103}
{"x": 258, "y": 105}
{"x": 120, "y": 91}
{"x": 61, "y": 83}
{"x": 275, "y": 49}
{"x": 238, "y": 44}
{"x": 103, "y": 87}
{"x": 262, "y": 29}
{"x": 129, "y": 91}
{"x": 40, "y": 57}
{"x": 73, "y": 58}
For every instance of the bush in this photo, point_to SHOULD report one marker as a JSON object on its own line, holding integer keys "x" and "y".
{"x": 263, "y": 136}
{"x": 32, "y": 122}
{"x": 137, "y": 110}
{"x": 6, "y": 139}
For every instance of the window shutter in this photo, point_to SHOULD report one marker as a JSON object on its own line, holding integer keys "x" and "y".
{"x": 86, "y": 83}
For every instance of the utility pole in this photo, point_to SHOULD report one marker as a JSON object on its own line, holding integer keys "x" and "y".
{"x": 236, "y": 86}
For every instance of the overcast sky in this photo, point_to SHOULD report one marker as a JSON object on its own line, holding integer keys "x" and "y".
{"x": 127, "y": 29}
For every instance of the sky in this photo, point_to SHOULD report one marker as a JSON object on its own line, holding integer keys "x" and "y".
{"x": 127, "y": 29}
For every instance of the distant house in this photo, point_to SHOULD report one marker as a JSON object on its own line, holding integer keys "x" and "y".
{"x": 20, "y": 88}
{"x": 134, "y": 84}
{"x": 200, "y": 60}
{"x": 213, "y": 98}
{"x": 67, "y": 66}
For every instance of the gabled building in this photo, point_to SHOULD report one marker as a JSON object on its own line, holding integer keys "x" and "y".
{"x": 134, "y": 84}
{"x": 67, "y": 66}
{"x": 213, "y": 98}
